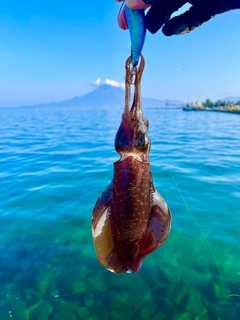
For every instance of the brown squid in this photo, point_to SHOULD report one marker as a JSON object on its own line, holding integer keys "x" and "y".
{"x": 130, "y": 219}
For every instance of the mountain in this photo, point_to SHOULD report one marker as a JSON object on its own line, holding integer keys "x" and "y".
{"x": 107, "y": 96}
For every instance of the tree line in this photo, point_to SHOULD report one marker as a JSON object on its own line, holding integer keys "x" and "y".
{"x": 220, "y": 103}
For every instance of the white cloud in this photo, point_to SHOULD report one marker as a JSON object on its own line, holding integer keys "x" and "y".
{"x": 112, "y": 83}
{"x": 97, "y": 82}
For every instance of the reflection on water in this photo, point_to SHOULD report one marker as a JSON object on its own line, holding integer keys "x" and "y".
{"x": 55, "y": 163}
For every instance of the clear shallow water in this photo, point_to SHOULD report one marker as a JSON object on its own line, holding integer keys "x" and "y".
{"x": 53, "y": 166}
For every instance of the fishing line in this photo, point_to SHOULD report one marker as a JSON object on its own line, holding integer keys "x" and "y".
{"x": 195, "y": 220}
{"x": 192, "y": 215}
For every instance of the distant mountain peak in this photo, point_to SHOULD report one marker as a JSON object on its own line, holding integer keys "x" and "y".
{"x": 106, "y": 86}
{"x": 109, "y": 96}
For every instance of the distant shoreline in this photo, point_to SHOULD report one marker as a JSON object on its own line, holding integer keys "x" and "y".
{"x": 226, "y": 110}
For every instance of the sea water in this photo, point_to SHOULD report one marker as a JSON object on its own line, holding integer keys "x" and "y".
{"x": 54, "y": 163}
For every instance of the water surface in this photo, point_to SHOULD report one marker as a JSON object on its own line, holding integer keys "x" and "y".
{"x": 54, "y": 163}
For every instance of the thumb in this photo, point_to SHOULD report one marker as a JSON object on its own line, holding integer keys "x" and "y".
{"x": 188, "y": 21}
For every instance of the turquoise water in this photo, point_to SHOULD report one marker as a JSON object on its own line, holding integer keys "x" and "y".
{"x": 53, "y": 166}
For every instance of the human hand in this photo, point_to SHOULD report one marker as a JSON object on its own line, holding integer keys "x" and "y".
{"x": 161, "y": 10}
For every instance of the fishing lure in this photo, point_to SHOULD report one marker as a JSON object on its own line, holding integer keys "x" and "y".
{"x": 137, "y": 29}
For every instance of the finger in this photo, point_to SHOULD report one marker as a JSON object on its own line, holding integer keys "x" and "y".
{"x": 134, "y": 4}
{"x": 121, "y": 19}
{"x": 137, "y": 4}
{"x": 161, "y": 12}
{"x": 188, "y": 21}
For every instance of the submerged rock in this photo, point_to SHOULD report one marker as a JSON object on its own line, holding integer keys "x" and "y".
{"x": 148, "y": 310}
{"x": 167, "y": 307}
{"x": 120, "y": 315}
{"x": 160, "y": 316}
{"x": 74, "y": 284}
{"x": 184, "y": 316}
{"x": 83, "y": 313}
{"x": 97, "y": 283}
{"x": 16, "y": 309}
{"x": 64, "y": 316}
{"x": 89, "y": 300}
{"x": 79, "y": 286}
{"x": 41, "y": 312}
{"x": 203, "y": 316}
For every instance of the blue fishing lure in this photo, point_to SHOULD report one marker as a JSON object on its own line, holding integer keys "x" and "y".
{"x": 137, "y": 28}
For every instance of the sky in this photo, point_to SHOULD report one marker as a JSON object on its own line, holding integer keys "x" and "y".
{"x": 56, "y": 50}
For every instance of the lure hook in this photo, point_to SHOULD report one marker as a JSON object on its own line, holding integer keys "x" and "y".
{"x": 133, "y": 77}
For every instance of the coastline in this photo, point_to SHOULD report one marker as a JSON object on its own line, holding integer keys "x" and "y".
{"x": 221, "y": 109}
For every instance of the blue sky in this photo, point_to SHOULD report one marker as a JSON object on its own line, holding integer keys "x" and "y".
{"x": 55, "y": 50}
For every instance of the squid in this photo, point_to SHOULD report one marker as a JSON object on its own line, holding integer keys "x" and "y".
{"x": 130, "y": 219}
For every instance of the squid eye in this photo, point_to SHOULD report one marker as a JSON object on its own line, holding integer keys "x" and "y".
{"x": 143, "y": 139}
{"x": 122, "y": 140}
{"x": 142, "y": 144}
